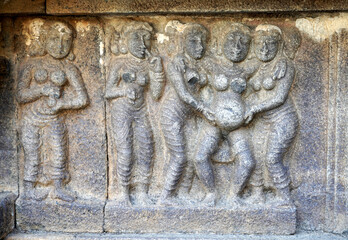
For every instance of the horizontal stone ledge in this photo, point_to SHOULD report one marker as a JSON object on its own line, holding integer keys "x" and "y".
{"x": 184, "y": 6}
{"x": 22, "y": 6}
{"x": 91, "y": 236}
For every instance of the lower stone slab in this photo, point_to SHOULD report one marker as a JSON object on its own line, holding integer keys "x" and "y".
{"x": 256, "y": 220}
{"x": 6, "y": 213}
{"x": 111, "y": 236}
{"x": 50, "y": 215}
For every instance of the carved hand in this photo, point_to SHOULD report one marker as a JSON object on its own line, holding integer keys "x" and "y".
{"x": 131, "y": 94}
{"x": 248, "y": 116}
{"x": 209, "y": 115}
{"x": 50, "y": 91}
{"x": 156, "y": 64}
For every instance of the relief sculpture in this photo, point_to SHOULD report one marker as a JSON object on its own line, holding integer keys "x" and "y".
{"x": 48, "y": 84}
{"x": 128, "y": 78}
{"x": 242, "y": 84}
{"x": 276, "y": 115}
{"x": 186, "y": 77}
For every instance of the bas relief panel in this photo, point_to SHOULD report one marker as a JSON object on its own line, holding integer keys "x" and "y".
{"x": 198, "y": 117}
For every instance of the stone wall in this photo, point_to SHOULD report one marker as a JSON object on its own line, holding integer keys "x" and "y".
{"x": 175, "y": 123}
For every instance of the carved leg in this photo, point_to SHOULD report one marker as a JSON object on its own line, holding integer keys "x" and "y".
{"x": 282, "y": 135}
{"x": 31, "y": 145}
{"x": 58, "y": 145}
{"x": 123, "y": 136}
{"x": 191, "y": 134}
{"x": 172, "y": 121}
{"x": 208, "y": 143}
{"x": 244, "y": 158}
{"x": 144, "y": 137}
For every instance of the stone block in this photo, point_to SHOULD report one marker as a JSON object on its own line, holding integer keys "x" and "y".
{"x": 7, "y": 214}
{"x": 182, "y": 6}
{"x": 20, "y": 7}
{"x": 239, "y": 220}
{"x": 79, "y": 216}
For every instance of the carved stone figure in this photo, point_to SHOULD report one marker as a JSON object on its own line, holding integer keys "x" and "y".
{"x": 228, "y": 81}
{"x": 127, "y": 80}
{"x": 182, "y": 103}
{"x": 42, "y": 89}
{"x": 276, "y": 113}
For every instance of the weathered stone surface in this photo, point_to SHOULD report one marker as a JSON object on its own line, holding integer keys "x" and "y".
{"x": 66, "y": 236}
{"x": 7, "y": 213}
{"x": 8, "y": 139}
{"x": 79, "y": 216}
{"x": 65, "y": 161}
{"x": 167, "y": 141}
{"x": 258, "y": 220}
{"x": 182, "y": 6}
{"x": 22, "y": 6}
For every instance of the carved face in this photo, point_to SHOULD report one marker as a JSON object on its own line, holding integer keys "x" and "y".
{"x": 195, "y": 45}
{"x": 59, "y": 41}
{"x": 236, "y": 46}
{"x": 138, "y": 42}
{"x": 266, "y": 45}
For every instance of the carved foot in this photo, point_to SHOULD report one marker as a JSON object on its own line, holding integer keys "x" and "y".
{"x": 257, "y": 196}
{"x": 235, "y": 201}
{"x": 283, "y": 199}
{"x": 168, "y": 201}
{"x": 63, "y": 194}
{"x": 122, "y": 200}
{"x": 35, "y": 194}
{"x": 143, "y": 199}
{"x": 209, "y": 200}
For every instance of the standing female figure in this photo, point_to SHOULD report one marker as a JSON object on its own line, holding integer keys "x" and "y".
{"x": 274, "y": 108}
{"x": 229, "y": 78}
{"x": 127, "y": 82}
{"x": 181, "y": 104}
{"x": 42, "y": 88}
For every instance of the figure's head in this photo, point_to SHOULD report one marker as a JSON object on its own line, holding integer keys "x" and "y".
{"x": 267, "y": 41}
{"x": 138, "y": 38}
{"x": 195, "y": 39}
{"x": 292, "y": 41}
{"x": 237, "y": 42}
{"x": 59, "y": 40}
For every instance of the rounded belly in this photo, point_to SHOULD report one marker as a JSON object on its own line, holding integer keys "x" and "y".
{"x": 229, "y": 114}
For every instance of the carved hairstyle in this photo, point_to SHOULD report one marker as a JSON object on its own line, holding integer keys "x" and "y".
{"x": 195, "y": 29}
{"x": 38, "y": 31}
{"x": 274, "y": 31}
{"x": 271, "y": 29}
{"x": 292, "y": 41}
{"x": 119, "y": 41}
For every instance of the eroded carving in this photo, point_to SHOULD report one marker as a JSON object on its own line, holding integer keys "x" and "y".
{"x": 182, "y": 104}
{"x": 276, "y": 114}
{"x": 129, "y": 75}
{"x": 48, "y": 85}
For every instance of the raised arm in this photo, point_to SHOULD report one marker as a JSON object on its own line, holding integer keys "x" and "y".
{"x": 113, "y": 79}
{"x": 157, "y": 77}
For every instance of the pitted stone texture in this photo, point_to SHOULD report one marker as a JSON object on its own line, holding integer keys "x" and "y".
{"x": 7, "y": 214}
{"x": 22, "y": 6}
{"x": 183, "y": 6}
{"x": 79, "y": 216}
{"x": 8, "y": 139}
{"x": 258, "y": 220}
{"x": 62, "y": 236}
